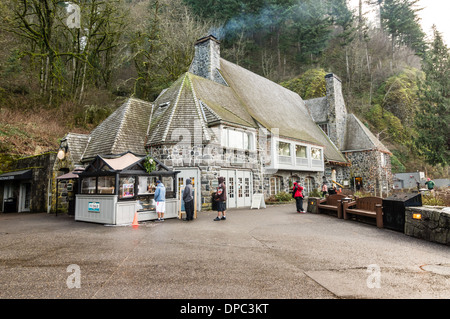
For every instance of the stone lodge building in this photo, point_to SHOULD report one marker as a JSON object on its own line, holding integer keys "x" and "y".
{"x": 219, "y": 119}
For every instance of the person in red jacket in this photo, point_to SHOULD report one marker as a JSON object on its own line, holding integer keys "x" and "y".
{"x": 298, "y": 195}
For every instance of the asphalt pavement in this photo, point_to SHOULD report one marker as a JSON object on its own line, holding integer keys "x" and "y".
{"x": 268, "y": 253}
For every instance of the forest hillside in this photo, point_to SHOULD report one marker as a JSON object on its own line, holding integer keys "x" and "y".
{"x": 65, "y": 66}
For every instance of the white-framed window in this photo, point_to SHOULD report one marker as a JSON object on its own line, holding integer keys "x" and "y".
{"x": 284, "y": 149}
{"x": 316, "y": 153}
{"x": 301, "y": 155}
{"x": 316, "y": 156}
{"x": 275, "y": 185}
{"x": 237, "y": 139}
{"x": 301, "y": 151}
{"x": 383, "y": 160}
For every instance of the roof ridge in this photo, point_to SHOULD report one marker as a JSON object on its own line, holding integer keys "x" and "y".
{"x": 378, "y": 145}
{"x": 122, "y": 121}
{"x": 175, "y": 105}
{"x": 237, "y": 97}
{"x": 199, "y": 111}
{"x": 203, "y": 104}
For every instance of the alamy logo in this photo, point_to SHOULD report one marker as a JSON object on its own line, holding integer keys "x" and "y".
{"x": 74, "y": 19}
{"x": 374, "y": 279}
{"x": 74, "y": 280}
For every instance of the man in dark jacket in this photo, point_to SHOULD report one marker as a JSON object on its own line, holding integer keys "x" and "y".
{"x": 188, "y": 200}
{"x": 221, "y": 198}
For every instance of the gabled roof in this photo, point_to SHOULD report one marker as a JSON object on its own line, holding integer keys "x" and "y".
{"x": 274, "y": 106}
{"x": 359, "y": 137}
{"x": 122, "y": 131}
{"x": 76, "y": 144}
{"x": 177, "y": 115}
{"x": 126, "y": 163}
{"x": 248, "y": 100}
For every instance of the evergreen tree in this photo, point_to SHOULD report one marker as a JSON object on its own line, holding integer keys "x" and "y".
{"x": 399, "y": 18}
{"x": 433, "y": 118}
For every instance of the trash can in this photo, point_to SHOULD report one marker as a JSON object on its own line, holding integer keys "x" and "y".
{"x": 394, "y": 209}
{"x": 313, "y": 205}
{"x": 10, "y": 205}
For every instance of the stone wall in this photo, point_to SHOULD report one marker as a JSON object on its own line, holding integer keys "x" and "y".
{"x": 41, "y": 166}
{"x": 434, "y": 224}
{"x": 367, "y": 164}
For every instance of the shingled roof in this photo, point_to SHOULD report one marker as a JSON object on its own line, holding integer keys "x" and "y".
{"x": 274, "y": 106}
{"x": 122, "y": 131}
{"x": 247, "y": 100}
{"x": 76, "y": 144}
{"x": 359, "y": 137}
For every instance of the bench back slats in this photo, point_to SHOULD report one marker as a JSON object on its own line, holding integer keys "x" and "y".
{"x": 368, "y": 203}
{"x": 332, "y": 200}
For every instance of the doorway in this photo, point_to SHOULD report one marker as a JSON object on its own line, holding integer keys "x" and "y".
{"x": 194, "y": 175}
{"x": 239, "y": 184}
{"x": 24, "y": 197}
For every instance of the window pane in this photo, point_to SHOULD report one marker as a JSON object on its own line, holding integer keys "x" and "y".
{"x": 147, "y": 185}
{"x": 235, "y": 139}
{"x": 106, "y": 185}
{"x": 88, "y": 185}
{"x": 126, "y": 187}
{"x": 284, "y": 149}
{"x": 231, "y": 187}
{"x": 300, "y": 151}
{"x": 316, "y": 153}
{"x": 246, "y": 141}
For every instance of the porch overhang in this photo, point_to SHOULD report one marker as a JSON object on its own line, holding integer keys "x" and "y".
{"x": 17, "y": 175}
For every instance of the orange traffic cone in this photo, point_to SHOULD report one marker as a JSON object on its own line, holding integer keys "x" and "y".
{"x": 135, "y": 221}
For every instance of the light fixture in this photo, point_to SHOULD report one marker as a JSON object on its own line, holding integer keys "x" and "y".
{"x": 62, "y": 153}
{"x": 417, "y": 216}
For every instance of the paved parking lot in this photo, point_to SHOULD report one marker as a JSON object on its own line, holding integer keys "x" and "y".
{"x": 257, "y": 254}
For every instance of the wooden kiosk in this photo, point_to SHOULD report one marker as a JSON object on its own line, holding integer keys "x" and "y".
{"x": 112, "y": 189}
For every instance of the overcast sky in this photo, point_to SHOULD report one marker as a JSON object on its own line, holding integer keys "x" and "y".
{"x": 434, "y": 12}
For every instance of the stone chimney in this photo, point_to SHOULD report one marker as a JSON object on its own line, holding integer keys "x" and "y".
{"x": 337, "y": 112}
{"x": 206, "y": 61}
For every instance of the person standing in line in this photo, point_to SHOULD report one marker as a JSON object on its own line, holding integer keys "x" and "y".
{"x": 160, "y": 199}
{"x": 188, "y": 200}
{"x": 221, "y": 198}
{"x": 298, "y": 195}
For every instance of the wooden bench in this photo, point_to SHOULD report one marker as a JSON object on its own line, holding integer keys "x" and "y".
{"x": 332, "y": 202}
{"x": 365, "y": 206}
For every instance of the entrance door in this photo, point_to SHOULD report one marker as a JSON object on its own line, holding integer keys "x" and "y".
{"x": 239, "y": 186}
{"x": 309, "y": 186}
{"x": 194, "y": 175}
{"x": 8, "y": 198}
{"x": 230, "y": 184}
{"x": 240, "y": 201}
{"x": 248, "y": 188}
{"x": 24, "y": 197}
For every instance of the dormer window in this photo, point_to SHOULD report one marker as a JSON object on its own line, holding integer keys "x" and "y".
{"x": 324, "y": 127}
{"x": 237, "y": 139}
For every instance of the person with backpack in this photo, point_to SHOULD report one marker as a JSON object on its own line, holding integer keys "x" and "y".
{"x": 298, "y": 195}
